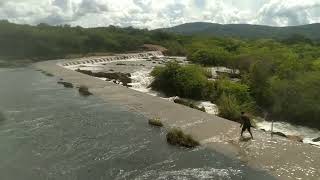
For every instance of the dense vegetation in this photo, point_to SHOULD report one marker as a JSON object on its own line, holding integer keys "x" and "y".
{"x": 277, "y": 77}
{"x": 280, "y": 77}
{"x": 49, "y": 42}
{"x": 246, "y": 30}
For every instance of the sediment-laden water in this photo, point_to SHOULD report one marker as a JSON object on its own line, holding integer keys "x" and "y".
{"x": 50, "y": 132}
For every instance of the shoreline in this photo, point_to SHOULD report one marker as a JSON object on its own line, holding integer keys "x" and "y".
{"x": 278, "y": 156}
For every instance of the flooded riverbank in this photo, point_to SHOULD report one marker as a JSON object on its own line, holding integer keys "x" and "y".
{"x": 50, "y": 132}
{"x": 141, "y": 79}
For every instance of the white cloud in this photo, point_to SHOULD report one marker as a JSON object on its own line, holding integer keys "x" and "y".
{"x": 288, "y": 12}
{"x": 160, "y": 13}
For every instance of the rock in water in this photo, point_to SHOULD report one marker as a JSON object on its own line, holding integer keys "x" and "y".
{"x": 280, "y": 134}
{"x": 316, "y": 139}
{"x": 2, "y": 117}
{"x": 118, "y": 76}
{"x": 84, "y": 91}
{"x": 295, "y": 138}
{"x": 66, "y": 84}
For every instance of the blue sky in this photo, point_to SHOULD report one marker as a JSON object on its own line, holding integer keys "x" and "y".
{"x": 153, "y": 14}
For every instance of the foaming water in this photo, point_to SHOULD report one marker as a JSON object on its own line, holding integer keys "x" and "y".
{"x": 304, "y": 132}
{"x": 50, "y": 132}
{"x": 142, "y": 79}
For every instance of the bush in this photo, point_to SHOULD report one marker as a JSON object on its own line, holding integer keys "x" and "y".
{"x": 177, "y": 137}
{"x": 297, "y": 100}
{"x": 212, "y": 57}
{"x": 156, "y": 122}
{"x": 84, "y": 91}
{"x": 238, "y": 90}
{"x": 229, "y": 107}
{"x": 185, "y": 81}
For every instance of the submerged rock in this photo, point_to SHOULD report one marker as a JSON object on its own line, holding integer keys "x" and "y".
{"x": 189, "y": 104}
{"x": 316, "y": 139}
{"x": 295, "y": 138}
{"x": 124, "y": 78}
{"x": 2, "y": 117}
{"x": 279, "y": 134}
{"x": 84, "y": 91}
{"x": 66, "y": 84}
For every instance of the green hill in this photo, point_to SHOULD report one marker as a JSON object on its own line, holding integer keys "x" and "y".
{"x": 246, "y": 30}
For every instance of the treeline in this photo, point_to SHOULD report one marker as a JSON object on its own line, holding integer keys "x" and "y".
{"x": 281, "y": 77}
{"x": 278, "y": 77}
{"x": 48, "y": 42}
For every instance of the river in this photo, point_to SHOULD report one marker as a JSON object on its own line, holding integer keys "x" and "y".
{"x": 50, "y": 132}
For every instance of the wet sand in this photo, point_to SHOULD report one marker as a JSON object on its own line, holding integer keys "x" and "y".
{"x": 283, "y": 158}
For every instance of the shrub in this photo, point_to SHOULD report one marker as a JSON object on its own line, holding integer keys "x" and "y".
{"x": 229, "y": 107}
{"x": 177, "y": 137}
{"x": 240, "y": 91}
{"x": 156, "y": 122}
{"x": 185, "y": 81}
{"x": 212, "y": 57}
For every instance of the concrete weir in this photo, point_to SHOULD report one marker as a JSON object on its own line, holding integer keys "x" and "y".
{"x": 280, "y": 157}
{"x": 105, "y": 59}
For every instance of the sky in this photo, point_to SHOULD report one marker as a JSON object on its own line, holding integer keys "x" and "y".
{"x": 154, "y": 14}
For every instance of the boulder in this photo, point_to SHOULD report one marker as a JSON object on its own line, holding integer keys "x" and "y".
{"x": 84, "y": 91}
{"x": 189, "y": 104}
{"x": 295, "y": 138}
{"x": 316, "y": 139}
{"x": 66, "y": 84}
{"x": 279, "y": 134}
{"x": 118, "y": 76}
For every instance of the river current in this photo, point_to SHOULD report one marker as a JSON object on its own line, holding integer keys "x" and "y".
{"x": 50, "y": 132}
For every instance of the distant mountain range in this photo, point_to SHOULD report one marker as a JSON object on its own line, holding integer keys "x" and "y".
{"x": 311, "y": 31}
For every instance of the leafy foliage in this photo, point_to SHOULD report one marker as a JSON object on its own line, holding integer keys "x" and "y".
{"x": 229, "y": 107}
{"x": 281, "y": 77}
{"x": 185, "y": 81}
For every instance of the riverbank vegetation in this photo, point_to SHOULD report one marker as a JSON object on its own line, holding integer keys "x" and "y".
{"x": 275, "y": 77}
{"x": 281, "y": 77}
{"x": 155, "y": 122}
{"x": 177, "y": 137}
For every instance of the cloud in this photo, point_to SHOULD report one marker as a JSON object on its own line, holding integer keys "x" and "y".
{"x": 286, "y": 12}
{"x": 155, "y": 14}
